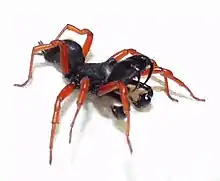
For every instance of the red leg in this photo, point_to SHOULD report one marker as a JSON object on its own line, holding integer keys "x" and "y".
{"x": 65, "y": 92}
{"x": 88, "y": 42}
{"x": 164, "y": 72}
{"x": 168, "y": 74}
{"x": 125, "y": 102}
{"x": 42, "y": 47}
{"x": 121, "y": 54}
{"x": 84, "y": 88}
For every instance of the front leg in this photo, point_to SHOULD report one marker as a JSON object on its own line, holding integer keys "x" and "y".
{"x": 121, "y": 54}
{"x": 123, "y": 90}
{"x": 140, "y": 98}
{"x": 166, "y": 73}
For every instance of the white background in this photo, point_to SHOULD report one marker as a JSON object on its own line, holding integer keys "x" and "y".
{"x": 172, "y": 142}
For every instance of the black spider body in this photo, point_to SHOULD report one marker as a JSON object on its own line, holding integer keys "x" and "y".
{"x": 76, "y": 56}
{"x": 98, "y": 73}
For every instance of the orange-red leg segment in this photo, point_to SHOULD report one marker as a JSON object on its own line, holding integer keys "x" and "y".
{"x": 84, "y": 88}
{"x": 125, "y": 102}
{"x": 89, "y": 39}
{"x": 169, "y": 74}
{"x": 157, "y": 70}
{"x": 65, "y": 92}
{"x": 43, "y": 47}
{"x": 121, "y": 54}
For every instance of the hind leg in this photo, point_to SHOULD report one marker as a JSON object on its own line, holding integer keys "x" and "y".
{"x": 43, "y": 47}
{"x": 88, "y": 42}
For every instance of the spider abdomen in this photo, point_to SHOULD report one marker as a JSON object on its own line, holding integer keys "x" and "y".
{"x": 75, "y": 54}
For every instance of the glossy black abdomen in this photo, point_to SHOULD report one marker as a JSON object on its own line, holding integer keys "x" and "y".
{"x": 75, "y": 52}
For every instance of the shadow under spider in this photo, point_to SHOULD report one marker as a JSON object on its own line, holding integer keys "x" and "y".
{"x": 103, "y": 104}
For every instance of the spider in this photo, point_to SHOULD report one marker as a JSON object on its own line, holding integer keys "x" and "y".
{"x": 102, "y": 79}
